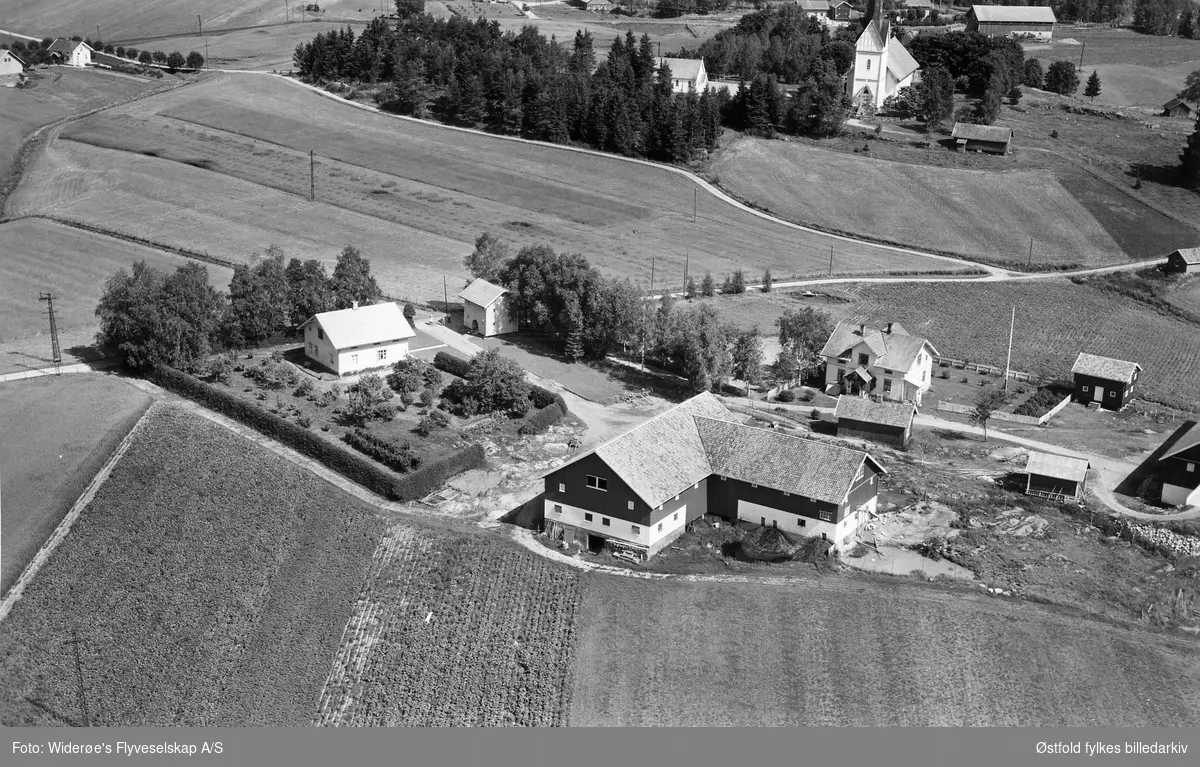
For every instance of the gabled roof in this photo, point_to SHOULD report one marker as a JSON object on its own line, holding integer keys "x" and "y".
{"x": 900, "y": 62}
{"x": 818, "y": 6}
{"x": 364, "y": 326}
{"x": 895, "y": 351}
{"x": 1189, "y": 255}
{"x": 482, "y": 293}
{"x": 1188, "y": 440}
{"x": 916, "y": 3}
{"x": 871, "y": 39}
{"x": 1014, "y": 13}
{"x": 784, "y": 462}
{"x": 898, "y": 414}
{"x": 63, "y": 45}
{"x": 1177, "y": 102}
{"x": 8, "y": 53}
{"x": 973, "y": 132}
{"x": 682, "y": 69}
{"x": 1104, "y": 367}
{"x": 1057, "y": 466}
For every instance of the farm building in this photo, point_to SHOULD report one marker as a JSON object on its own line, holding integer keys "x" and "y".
{"x": 72, "y": 53}
{"x": 1036, "y": 21}
{"x": 840, "y": 11}
{"x": 883, "y": 360}
{"x": 882, "y": 66}
{"x": 348, "y": 341}
{"x": 1183, "y": 261}
{"x": 1103, "y": 381}
{"x": 814, "y": 7}
{"x": 599, "y": 6}
{"x": 1056, "y": 477}
{"x": 1179, "y": 468}
{"x": 981, "y": 138}
{"x": 685, "y": 74}
{"x": 887, "y": 422}
{"x": 486, "y": 309}
{"x": 11, "y": 67}
{"x": 922, "y": 7}
{"x": 638, "y": 491}
{"x": 1179, "y": 108}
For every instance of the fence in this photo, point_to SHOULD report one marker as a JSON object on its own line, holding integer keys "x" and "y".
{"x": 954, "y": 407}
{"x": 991, "y": 370}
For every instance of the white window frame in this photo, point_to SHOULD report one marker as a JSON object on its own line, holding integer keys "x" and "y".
{"x": 1191, "y": 466}
{"x": 557, "y": 509}
{"x": 635, "y": 529}
{"x": 605, "y": 522}
{"x": 587, "y": 516}
{"x": 383, "y": 354}
{"x": 802, "y": 522}
{"x": 1085, "y": 387}
{"x": 826, "y": 516}
{"x": 594, "y": 483}
{"x": 562, "y": 488}
{"x": 631, "y": 505}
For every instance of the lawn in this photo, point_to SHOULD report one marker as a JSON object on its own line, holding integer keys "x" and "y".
{"x": 539, "y": 357}
{"x": 411, "y": 182}
{"x": 60, "y": 432}
{"x": 853, "y": 651}
{"x": 43, "y": 256}
{"x": 208, "y": 582}
{"x": 455, "y": 630}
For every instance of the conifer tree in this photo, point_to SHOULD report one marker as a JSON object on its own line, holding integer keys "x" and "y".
{"x": 1092, "y": 90}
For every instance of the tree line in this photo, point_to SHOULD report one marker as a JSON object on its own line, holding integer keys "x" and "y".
{"x": 38, "y": 53}
{"x": 471, "y": 73}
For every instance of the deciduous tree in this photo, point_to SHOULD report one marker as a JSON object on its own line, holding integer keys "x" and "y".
{"x": 1062, "y": 78}
{"x": 497, "y": 383}
{"x": 747, "y": 358}
{"x": 1033, "y": 74}
{"x": 259, "y": 301}
{"x": 369, "y": 399}
{"x": 987, "y": 403}
{"x": 352, "y": 280}
{"x": 937, "y": 97}
{"x": 488, "y": 258}
{"x": 1189, "y": 160}
{"x": 194, "y": 60}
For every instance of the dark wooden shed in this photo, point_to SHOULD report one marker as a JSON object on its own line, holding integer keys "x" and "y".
{"x": 1055, "y": 476}
{"x": 889, "y": 423}
{"x": 1104, "y": 381}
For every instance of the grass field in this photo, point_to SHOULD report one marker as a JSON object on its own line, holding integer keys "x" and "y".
{"x": 1108, "y": 45}
{"x": 835, "y": 651}
{"x": 209, "y": 583}
{"x": 72, "y": 264}
{"x": 265, "y": 48}
{"x": 414, "y": 197}
{"x": 60, "y": 431}
{"x": 978, "y": 214}
{"x": 455, "y": 631}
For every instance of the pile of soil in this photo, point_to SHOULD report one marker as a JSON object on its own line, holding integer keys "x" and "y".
{"x": 769, "y": 544}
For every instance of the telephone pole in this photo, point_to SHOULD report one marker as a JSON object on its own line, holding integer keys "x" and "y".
{"x": 1008, "y": 362}
{"x": 1081, "y": 50}
{"x": 831, "y": 260}
{"x": 206, "y": 64}
{"x": 1030, "y": 262}
{"x": 200, "y": 24}
{"x": 686, "y": 257}
{"x": 695, "y": 197}
{"x": 57, "y": 352}
{"x": 83, "y": 709}
{"x": 446, "y": 296}
{"x": 312, "y": 176}
{"x": 651, "y": 275}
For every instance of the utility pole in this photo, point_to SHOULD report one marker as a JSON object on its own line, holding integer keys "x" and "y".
{"x": 56, "y": 351}
{"x": 831, "y": 260}
{"x": 287, "y": 13}
{"x": 695, "y": 197}
{"x": 83, "y": 709}
{"x": 206, "y": 65}
{"x": 1008, "y": 362}
{"x": 1081, "y": 50}
{"x": 1030, "y": 263}
{"x": 312, "y": 176}
{"x": 98, "y": 32}
{"x": 651, "y": 275}
{"x": 686, "y": 257}
{"x": 446, "y": 295}
{"x": 200, "y": 24}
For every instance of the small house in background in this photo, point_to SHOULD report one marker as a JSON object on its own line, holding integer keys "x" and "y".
{"x": 1035, "y": 21}
{"x": 1056, "y": 477}
{"x": 599, "y": 6}
{"x": 685, "y": 74}
{"x": 840, "y": 11}
{"x": 887, "y": 422}
{"x": 1183, "y": 261}
{"x": 1179, "y": 468}
{"x": 71, "y": 53}
{"x": 1180, "y": 108}
{"x": 348, "y": 341}
{"x": 992, "y": 139}
{"x": 922, "y": 8}
{"x": 1103, "y": 381}
{"x": 12, "y": 68}
{"x": 814, "y": 7}
{"x": 486, "y": 309}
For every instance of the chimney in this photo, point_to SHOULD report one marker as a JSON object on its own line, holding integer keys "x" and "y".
{"x": 862, "y": 330}
{"x": 889, "y": 329}
{"x": 355, "y": 305}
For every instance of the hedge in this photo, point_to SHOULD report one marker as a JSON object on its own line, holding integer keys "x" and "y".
{"x": 451, "y": 364}
{"x": 541, "y": 420}
{"x": 350, "y": 465}
{"x": 544, "y": 398}
{"x": 398, "y": 457}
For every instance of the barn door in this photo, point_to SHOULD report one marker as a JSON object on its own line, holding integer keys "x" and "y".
{"x": 1098, "y": 394}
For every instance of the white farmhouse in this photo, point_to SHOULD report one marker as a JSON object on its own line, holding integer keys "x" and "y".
{"x": 72, "y": 53}
{"x": 882, "y": 66}
{"x": 884, "y": 361}
{"x": 11, "y": 67}
{"x": 685, "y": 73}
{"x": 351, "y": 340}
{"x": 487, "y": 309}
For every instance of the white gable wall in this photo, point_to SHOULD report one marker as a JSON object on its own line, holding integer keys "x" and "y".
{"x": 318, "y": 347}
{"x": 9, "y": 65}
{"x": 493, "y": 320}
{"x": 906, "y": 384}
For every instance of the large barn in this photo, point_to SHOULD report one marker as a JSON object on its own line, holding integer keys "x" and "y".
{"x": 1035, "y": 21}
{"x": 637, "y": 492}
{"x": 1179, "y": 468}
{"x": 992, "y": 139}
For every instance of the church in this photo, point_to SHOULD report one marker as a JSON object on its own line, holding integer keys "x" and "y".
{"x": 882, "y": 66}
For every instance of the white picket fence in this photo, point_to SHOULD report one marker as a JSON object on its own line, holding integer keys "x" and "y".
{"x": 954, "y": 407}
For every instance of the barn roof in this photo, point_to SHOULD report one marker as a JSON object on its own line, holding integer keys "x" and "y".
{"x": 482, "y": 293}
{"x": 1189, "y": 255}
{"x": 818, "y": 6}
{"x": 364, "y": 326}
{"x": 1186, "y": 441}
{"x": 1014, "y": 14}
{"x": 1104, "y": 367}
{"x": 916, "y": 3}
{"x": 972, "y": 132}
{"x": 1177, "y": 102}
{"x": 784, "y": 462}
{"x": 62, "y": 45}
{"x": 1057, "y": 466}
{"x": 894, "y": 351}
{"x": 898, "y": 414}
{"x": 682, "y": 69}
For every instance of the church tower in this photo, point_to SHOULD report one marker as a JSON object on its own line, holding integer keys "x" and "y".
{"x": 881, "y": 64}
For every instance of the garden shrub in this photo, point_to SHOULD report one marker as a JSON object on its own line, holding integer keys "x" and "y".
{"x": 435, "y": 420}
{"x": 541, "y": 420}
{"x": 451, "y": 364}
{"x": 785, "y": 396}
{"x": 396, "y": 456}
{"x": 542, "y": 398}
{"x": 305, "y": 388}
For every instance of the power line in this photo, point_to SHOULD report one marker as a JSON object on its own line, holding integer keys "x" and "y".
{"x": 56, "y": 351}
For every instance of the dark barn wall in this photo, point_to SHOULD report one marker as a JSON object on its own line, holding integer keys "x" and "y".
{"x": 723, "y": 496}
{"x": 1174, "y": 469}
{"x": 888, "y": 435}
{"x": 613, "y": 503}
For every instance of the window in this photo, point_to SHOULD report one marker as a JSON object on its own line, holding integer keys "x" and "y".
{"x": 1191, "y": 467}
{"x": 864, "y": 359}
{"x": 331, "y": 358}
{"x": 787, "y": 494}
{"x": 827, "y": 516}
{"x": 1085, "y": 387}
{"x": 868, "y": 65}
{"x": 660, "y": 527}
{"x": 354, "y": 359}
{"x": 802, "y": 522}
{"x": 753, "y": 485}
{"x": 587, "y": 516}
{"x": 557, "y": 509}
{"x": 597, "y": 483}
{"x": 606, "y": 521}
{"x": 631, "y": 505}
{"x": 676, "y": 517}
{"x": 723, "y": 479}
{"x": 320, "y": 334}
{"x": 887, "y": 385}
{"x": 562, "y": 488}
{"x": 635, "y": 529}
{"x": 383, "y": 354}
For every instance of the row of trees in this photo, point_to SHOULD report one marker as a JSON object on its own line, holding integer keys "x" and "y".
{"x": 38, "y": 53}
{"x": 178, "y": 319}
{"x": 471, "y": 73}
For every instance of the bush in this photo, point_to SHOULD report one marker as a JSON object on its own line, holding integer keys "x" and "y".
{"x": 304, "y": 421}
{"x": 451, "y": 364}
{"x": 427, "y": 397}
{"x": 326, "y": 399}
{"x": 542, "y": 398}
{"x": 273, "y": 374}
{"x": 815, "y": 414}
{"x": 541, "y": 420}
{"x": 785, "y": 396}
{"x": 305, "y": 388}
{"x": 435, "y": 420}
{"x": 398, "y": 457}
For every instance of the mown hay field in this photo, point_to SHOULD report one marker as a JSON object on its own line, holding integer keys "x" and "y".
{"x": 987, "y": 215}
{"x": 455, "y": 630}
{"x": 422, "y": 182}
{"x": 124, "y": 19}
{"x": 265, "y": 48}
{"x": 839, "y": 652}
{"x": 59, "y": 431}
{"x": 209, "y": 583}
{"x": 44, "y": 256}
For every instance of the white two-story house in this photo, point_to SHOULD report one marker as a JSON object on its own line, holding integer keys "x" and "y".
{"x": 348, "y": 341}
{"x": 884, "y": 361}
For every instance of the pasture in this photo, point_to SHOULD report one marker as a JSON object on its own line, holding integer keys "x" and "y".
{"x": 72, "y": 264}
{"x": 979, "y": 214}
{"x": 265, "y": 48}
{"x": 60, "y": 430}
{"x": 239, "y": 151}
{"x": 1109, "y": 45}
{"x": 209, "y": 583}
{"x": 840, "y": 651}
